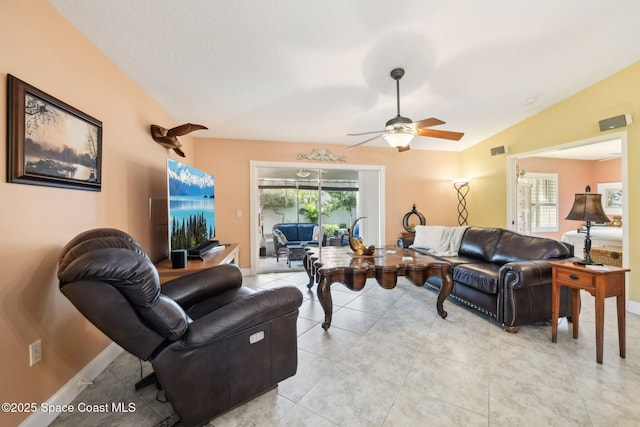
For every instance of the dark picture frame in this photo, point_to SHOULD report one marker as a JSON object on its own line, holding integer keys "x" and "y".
{"x": 49, "y": 142}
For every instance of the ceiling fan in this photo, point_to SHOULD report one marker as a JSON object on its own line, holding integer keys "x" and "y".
{"x": 399, "y": 131}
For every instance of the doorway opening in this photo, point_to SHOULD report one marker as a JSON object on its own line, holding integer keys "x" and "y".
{"x": 604, "y": 160}
{"x": 326, "y": 197}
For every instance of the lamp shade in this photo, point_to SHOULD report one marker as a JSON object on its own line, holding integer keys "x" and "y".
{"x": 398, "y": 139}
{"x": 588, "y": 207}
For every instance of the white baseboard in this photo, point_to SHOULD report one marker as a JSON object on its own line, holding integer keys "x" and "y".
{"x": 633, "y": 307}
{"x": 68, "y": 392}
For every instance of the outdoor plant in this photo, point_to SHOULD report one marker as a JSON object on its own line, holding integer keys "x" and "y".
{"x": 330, "y": 229}
{"x": 310, "y": 212}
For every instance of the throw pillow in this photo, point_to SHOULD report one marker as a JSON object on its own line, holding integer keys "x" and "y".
{"x": 316, "y": 233}
{"x": 280, "y": 237}
{"x": 427, "y": 236}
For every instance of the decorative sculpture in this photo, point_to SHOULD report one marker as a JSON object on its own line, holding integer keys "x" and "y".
{"x": 321, "y": 154}
{"x": 409, "y": 226}
{"x": 357, "y": 246}
{"x": 168, "y": 138}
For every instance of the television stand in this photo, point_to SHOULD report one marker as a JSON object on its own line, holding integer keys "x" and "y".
{"x": 227, "y": 254}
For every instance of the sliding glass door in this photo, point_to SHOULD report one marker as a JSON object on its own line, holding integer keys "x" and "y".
{"x": 332, "y": 196}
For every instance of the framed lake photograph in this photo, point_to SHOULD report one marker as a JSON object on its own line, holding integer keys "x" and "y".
{"x": 611, "y": 197}
{"x": 49, "y": 142}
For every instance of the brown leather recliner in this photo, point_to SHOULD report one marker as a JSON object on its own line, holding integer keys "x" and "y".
{"x": 213, "y": 344}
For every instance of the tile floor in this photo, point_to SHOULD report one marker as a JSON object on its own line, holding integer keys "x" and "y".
{"x": 390, "y": 360}
{"x": 269, "y": 264}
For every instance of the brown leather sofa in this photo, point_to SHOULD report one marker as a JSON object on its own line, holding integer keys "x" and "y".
{"x": 213, "y": 343}
{"x": 505, "y": 275}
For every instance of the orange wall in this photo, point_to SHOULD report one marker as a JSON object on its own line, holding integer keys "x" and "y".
{"x": 573, "y": 177}
{"x": 607, "y": 171}
{"x": 41, "y": 48}
{"x": 420, "y": 177}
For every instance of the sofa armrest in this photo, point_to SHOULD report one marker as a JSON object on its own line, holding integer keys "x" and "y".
{"x": 525, "y": 274}
{"x": 192, "y": 288}
{"x": 524, "y": 294}
{"x": 259, "y": 307}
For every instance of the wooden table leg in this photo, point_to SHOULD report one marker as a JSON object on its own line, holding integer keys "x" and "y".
{"x": 575, "y": 310}
{"x": 599, "y": 301}
{"x": 308, "y": 267}
{"x": 622, "y": 333}
{"x": 324, "y": 296}
{"x": 445, "y": 289}
{"x": 555, "y": 310}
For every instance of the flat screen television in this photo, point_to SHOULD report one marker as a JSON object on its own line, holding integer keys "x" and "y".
{"x": 192, "y": 213}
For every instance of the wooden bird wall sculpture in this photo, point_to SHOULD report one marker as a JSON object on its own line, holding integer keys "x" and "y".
{"x": 168, "y": 138}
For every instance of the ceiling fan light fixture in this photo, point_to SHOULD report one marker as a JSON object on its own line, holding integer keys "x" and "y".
{"x": 399, "y": 131}
{"x": 398, "y": 139}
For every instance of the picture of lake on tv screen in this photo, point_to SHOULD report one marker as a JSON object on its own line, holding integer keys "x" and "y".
{"x": 192, "y": 216}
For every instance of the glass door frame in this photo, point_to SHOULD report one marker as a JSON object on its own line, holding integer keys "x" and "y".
{"x": 379, "y": 203}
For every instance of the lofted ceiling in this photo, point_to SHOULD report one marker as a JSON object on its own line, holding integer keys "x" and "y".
{"x": 287, "y": 70}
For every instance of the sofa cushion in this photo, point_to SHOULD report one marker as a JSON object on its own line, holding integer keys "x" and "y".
{"x": 305, "y": 232}
{"x": 282, "y": 239}
{"x": 428, "y": 236}
{"x": 481, "y": 276}
{"x": 480, "y": 242}
{"x": 289, "y": 230}
{"x": 456, "y": 260}
{"x": 513, "y": 247}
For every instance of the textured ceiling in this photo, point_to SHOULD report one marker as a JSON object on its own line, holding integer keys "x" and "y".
{"x": 313, "y": 71}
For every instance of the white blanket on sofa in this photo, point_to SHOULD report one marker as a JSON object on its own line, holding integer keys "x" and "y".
{"x": 450, "y": 242}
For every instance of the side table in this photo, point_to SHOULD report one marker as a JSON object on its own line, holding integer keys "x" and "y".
{"x": 601, "y": 284}
{"x": 295, "y": 253}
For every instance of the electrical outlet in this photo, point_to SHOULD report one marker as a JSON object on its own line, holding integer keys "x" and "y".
{"x": 35, "y": 352}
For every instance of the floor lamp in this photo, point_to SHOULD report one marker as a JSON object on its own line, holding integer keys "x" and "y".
{"x": 462, "y": 187}
{"x": 587, "y": 207}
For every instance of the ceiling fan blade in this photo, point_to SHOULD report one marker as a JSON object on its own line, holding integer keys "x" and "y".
{"x": 444, "y": 134}
{"x": 364, "y": 133}
{"x": 405, "y": 148}
{"x": 428, "y": 123}
{"x": 363, "y": 142}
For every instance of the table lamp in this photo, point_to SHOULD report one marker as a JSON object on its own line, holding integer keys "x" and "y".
{"x": 587, "y": 207}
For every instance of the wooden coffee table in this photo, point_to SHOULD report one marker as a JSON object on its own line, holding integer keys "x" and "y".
{"x": 333, "y": 264}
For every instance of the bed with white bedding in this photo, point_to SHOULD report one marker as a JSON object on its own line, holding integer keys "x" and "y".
{"x": 600, "y": 236}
